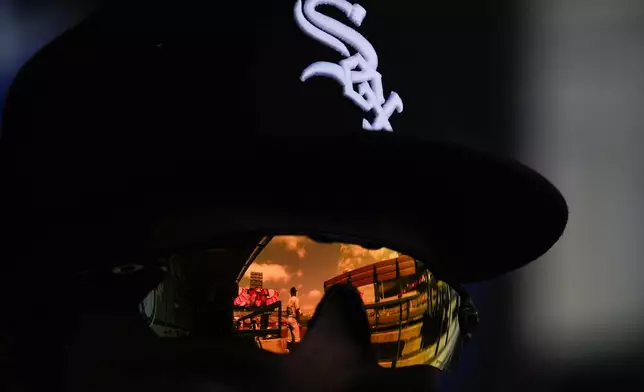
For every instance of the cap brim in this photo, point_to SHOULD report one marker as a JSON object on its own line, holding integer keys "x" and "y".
{"x": 467, "y": 215}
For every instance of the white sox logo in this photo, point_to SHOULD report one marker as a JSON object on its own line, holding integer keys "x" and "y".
{"x": 360, "y": 68}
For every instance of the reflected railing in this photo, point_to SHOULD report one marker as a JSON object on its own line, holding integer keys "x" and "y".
{"x": 412, "y": 315}
{"x": 259, "y": 321}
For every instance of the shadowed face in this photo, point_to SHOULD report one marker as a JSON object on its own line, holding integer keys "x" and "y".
{"x": 337, "y": 355}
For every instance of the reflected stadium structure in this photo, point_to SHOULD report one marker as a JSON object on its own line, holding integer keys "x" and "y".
{"x": 412, "y": 315}
{"x": 258, "y": 312}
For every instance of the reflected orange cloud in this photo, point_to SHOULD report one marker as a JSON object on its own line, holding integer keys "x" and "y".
{"x": 315, "y": 294}
{"x": 293, "y": 243}
{"x": 355, "y": 256}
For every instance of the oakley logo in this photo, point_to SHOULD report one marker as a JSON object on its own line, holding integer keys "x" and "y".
{"x": 359, "y": 69}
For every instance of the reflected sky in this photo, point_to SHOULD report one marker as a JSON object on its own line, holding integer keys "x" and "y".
{"x": 297, "y": 261}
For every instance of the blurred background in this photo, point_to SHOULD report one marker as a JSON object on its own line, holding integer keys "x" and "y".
{"x": 566, "y": 79}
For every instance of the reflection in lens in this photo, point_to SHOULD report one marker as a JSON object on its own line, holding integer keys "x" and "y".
{"x": 413, "y": 317}
{"x": 411, "y": 314}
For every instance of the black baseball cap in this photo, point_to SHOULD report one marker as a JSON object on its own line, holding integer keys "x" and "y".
{"x": 160, "y": 125}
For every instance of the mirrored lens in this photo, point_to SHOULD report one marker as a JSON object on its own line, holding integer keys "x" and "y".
{"x": 412, "y": 316}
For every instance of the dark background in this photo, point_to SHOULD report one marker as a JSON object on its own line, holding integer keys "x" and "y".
{"x": 559, "y": 85}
